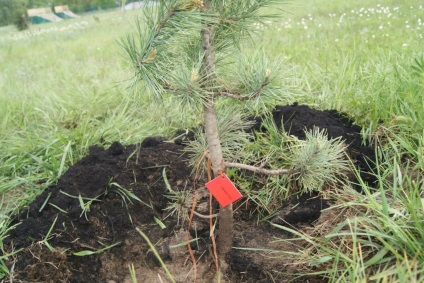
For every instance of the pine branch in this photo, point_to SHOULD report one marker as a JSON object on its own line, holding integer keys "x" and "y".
{"x": 258, "y": 91}
{"x": 162, "y": 23}
{"x": 254, "y": 94}
{"x": 234, "y": 96}
{"x": 149, "y": 51}
{"x": 261, "y": 170}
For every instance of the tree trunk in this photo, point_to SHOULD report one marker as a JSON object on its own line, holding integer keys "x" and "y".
{"x": 225, "y": 232}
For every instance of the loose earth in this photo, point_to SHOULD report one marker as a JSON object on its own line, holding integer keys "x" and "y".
{"x": 83, "y": 229}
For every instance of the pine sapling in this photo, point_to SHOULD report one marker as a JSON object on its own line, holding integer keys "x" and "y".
{"x": 183, "y": 49}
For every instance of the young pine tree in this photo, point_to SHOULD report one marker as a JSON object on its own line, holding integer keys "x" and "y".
{"x": 185, "y": 48}
{"x": 177, "y": 50}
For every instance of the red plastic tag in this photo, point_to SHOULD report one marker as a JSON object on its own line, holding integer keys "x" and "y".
{"x": 223, "y": 190}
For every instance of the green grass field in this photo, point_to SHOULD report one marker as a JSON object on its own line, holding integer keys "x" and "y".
{"x": 66, "y": 86}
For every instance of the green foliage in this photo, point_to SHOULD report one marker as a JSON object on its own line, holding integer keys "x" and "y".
{"x": 317, "y": 160}
{"x": 318, "y": 163}
{"x": 12, "y": 12}
{"x": 179, "y": 201}
{"x": 166, "y": 53}
{"x": 237, "y": 19}
{"x": 159, "y": 37}
{"x": 418, "y": 68}
{"x": 260, "y": 81}
{"x": 38, "y": 3}
{"x": 376, "y": 235}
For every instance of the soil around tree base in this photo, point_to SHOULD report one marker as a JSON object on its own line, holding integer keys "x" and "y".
{"x": 83, "y": 229}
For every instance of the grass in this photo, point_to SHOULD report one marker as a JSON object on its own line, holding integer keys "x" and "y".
{"x": 155, "y": 252}
{"x": 64, "y": 87}
{"x": 381, "y": 240}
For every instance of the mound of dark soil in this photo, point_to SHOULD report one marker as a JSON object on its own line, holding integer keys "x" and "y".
{"x": 82, "y": 229}
{"x": 295, "y": 119}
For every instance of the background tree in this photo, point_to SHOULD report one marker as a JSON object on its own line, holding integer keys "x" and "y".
{"x": 11, "y": 10}
{"x": 21, "y": 21}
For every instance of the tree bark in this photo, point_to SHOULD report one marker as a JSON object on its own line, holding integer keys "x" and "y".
{"x": 226, "y": 226}
{"x": 225, "y": 231}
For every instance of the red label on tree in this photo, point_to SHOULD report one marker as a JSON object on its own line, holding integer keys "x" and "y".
{"x": 223, "y": 190}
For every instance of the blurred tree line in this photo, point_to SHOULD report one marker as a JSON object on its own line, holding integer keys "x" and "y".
{"x": 12, "y": 11}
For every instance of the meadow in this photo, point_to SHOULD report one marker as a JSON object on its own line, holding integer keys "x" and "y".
{"x": 66, "y": 86}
